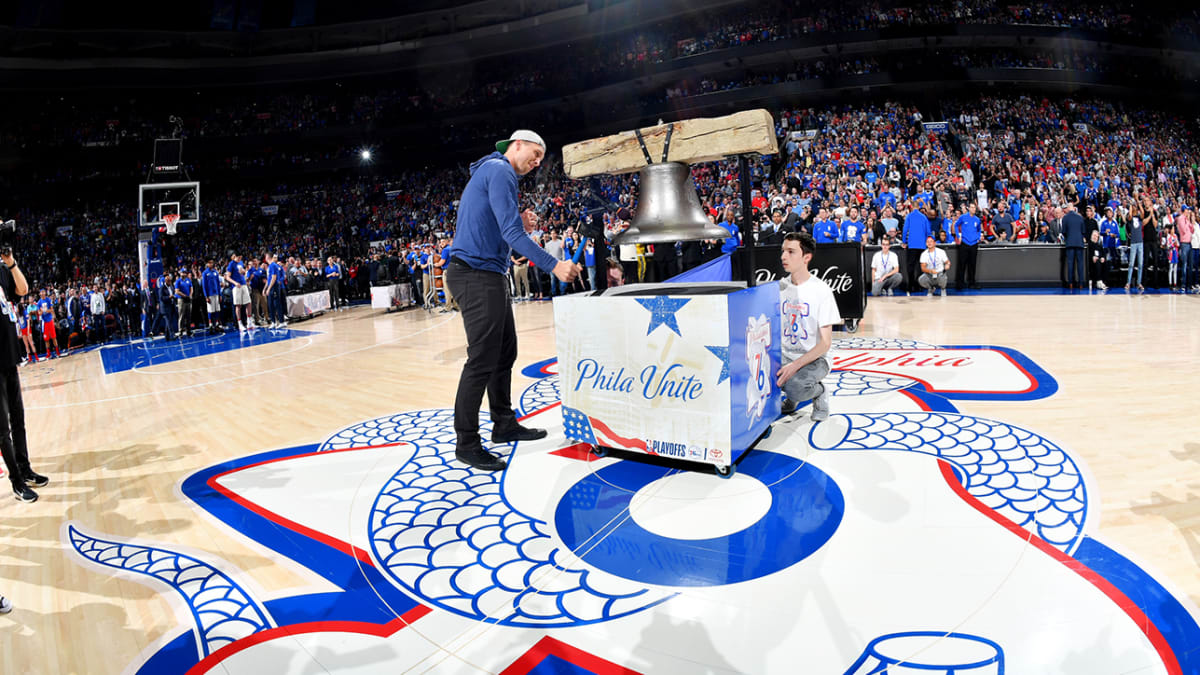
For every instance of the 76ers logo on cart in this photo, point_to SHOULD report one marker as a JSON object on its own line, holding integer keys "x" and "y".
{"x": 758, "y": 387}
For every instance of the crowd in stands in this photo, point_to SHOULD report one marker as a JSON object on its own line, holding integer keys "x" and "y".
{"x": 104, "y": 120}
{"x": 843, "y": 174}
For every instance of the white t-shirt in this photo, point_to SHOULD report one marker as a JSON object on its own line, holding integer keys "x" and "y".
{"x": 981, "y": 196}
{"x": 881, "y": 264}
{"x": 805, "y": 310}
{"x": 936, "y": 259}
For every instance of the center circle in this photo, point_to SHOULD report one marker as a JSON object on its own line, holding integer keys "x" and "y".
{"x": 693, "y": 506}
{"x": 594, "y": 519}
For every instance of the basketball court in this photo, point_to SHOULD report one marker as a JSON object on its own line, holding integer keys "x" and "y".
{"x": 1008, "y": 484}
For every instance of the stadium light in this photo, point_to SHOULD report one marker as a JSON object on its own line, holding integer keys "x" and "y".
{"x": 365, "y": 154}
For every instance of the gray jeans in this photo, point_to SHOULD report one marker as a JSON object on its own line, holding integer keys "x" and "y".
{"x": 931, "y": 280}
{"x": 806, "y": 383}
{"x": 889, "y": 283}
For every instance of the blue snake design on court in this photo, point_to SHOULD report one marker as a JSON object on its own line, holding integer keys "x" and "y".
{"x": 222, "y": 611}
{"x": 437, "y": 524}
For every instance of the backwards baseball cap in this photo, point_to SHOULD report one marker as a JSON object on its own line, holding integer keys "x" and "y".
{"x": 520, "y": 135}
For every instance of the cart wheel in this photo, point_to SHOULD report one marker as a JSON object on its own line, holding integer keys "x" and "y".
{"x": 599, "y": 451}
{"x": 725, "y": 471}
{"x": 852, "y": 325}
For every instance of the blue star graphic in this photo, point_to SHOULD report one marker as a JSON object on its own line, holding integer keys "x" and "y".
{"x": 662, "y": 312}
{"x": 723, "y": 354}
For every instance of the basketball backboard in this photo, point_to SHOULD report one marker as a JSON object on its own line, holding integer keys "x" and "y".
{"x": 158, "y": 199}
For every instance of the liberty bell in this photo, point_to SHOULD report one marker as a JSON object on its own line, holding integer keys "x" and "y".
{"x": 668, "y": 208}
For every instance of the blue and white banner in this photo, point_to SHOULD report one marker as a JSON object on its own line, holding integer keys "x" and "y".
{"x": 685, "y": 376}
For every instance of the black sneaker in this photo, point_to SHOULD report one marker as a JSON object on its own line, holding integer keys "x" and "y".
{"x": 788, "y": 407}
{"x": 24, "y": 494}
{"x": 474, "y": 455}
{"x": 35, "y": 479}
{"x": 517, "y": 433}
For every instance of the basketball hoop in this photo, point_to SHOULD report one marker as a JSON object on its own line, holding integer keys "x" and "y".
{"x": 171, "y": 220}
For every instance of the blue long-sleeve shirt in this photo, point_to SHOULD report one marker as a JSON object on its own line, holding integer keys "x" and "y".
{"x": 969, "y": 228}
{"x": 489, "y": 224}
{"x": 916, "y": 229}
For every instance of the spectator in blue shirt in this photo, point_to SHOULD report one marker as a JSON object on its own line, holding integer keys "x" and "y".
{"x": 852, "y": 230}
{"x": 733, "y": 240}
{"x": 825, "y": 231}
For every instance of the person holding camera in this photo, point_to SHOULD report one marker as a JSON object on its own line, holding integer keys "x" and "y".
{"x": 12, "y": 408}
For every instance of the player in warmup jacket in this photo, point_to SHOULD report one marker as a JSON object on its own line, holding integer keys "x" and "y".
{"x": 276, "y": 302}
{"x": 49, "y": 333}
{"x": 235, "y": 275}
{"x": 25, "y": 331}
{"x": 809, "y": 311}
{"x": 210, "y": 282}
{"x": 183, "y": 301}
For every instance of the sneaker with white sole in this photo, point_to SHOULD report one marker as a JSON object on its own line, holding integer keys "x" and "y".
{"x": 5, "y": 605}
{"x": 820, "y": 406}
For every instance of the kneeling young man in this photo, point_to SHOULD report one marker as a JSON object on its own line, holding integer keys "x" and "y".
{"x": 809, "y": 312}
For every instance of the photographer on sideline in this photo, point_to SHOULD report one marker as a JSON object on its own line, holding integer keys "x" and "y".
{"x": 12, "y": 408}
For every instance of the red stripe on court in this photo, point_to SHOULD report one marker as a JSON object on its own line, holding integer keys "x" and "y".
{"x": 338, "y": 544}
{"x": 548, "y": 646}
{"x": 1139, "y": 618}
{"x": 382, "y": 630}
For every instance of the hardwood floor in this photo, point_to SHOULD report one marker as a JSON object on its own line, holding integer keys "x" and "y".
{"x": 117, "y": 446}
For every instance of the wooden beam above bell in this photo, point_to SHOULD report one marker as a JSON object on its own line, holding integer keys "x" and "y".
{"x": 701, "y": 139}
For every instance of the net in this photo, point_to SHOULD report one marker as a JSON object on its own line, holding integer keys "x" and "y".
{"x": 171, "y": 220}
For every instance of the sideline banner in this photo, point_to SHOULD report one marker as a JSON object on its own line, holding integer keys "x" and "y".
{"x": 307, "y": 304}
{"x": 839, "y": 265}
{"x": 386, "y": 297}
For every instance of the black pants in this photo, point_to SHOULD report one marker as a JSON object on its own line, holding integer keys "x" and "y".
{"x": 12, "y": 426}
{"x": 491, "y": 350}
{"x": 1074, "y": 262}
{"x": 912, "y": 264}
{"x": 968, "y": 257}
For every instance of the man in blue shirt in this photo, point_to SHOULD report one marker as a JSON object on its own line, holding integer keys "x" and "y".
{"x": 276, "y": 304}
{"x": 333, "y": 277}
{"x": 183, "y": 301}
{"x": 1111, "y": 231}
{"x": 852, "y": 228}
{"x": 968, "y": 229}
{"x": 235, "y": 276}
{"x": 210, "y": 285}
{"x": 730, "y": 244}
{"x": 916, "y": 231}
{"x": 825, "y": 231}
{"x": 489, "y": 227}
